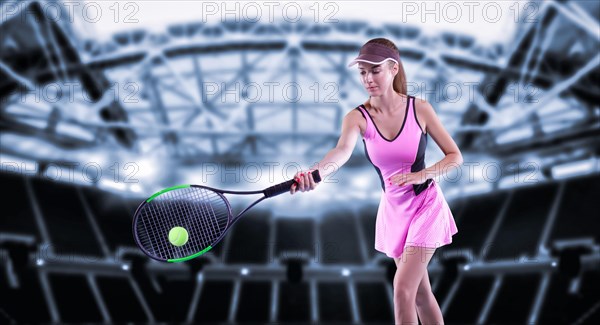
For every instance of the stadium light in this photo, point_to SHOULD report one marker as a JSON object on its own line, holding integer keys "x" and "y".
{"x": 577, "y": 168}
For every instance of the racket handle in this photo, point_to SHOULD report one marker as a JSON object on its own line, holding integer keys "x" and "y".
{"x": 285, "y": 186}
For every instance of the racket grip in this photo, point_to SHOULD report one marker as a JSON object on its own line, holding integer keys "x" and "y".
{"x": 285, "y": 186}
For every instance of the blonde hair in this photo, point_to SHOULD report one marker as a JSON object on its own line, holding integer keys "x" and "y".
{"x": 399, "y": 82}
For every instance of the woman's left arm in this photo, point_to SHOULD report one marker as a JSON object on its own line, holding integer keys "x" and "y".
{"x": 453, "y": 157}
{"x": 434, "y": 127}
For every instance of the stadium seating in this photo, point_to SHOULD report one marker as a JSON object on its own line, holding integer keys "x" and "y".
{"x": 339, "y": 239}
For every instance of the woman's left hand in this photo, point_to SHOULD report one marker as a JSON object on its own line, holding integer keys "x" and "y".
{"x": 407, "y": 179}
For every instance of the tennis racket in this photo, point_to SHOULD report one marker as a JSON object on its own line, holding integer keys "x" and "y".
{"x": 182, "y": 222}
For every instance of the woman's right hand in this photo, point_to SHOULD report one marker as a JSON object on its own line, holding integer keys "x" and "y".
{"x": 304, "y": 181}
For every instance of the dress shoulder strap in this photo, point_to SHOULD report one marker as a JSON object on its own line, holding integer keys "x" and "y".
{"x": 413, "y": 108}
{"x": 370, "y": 126}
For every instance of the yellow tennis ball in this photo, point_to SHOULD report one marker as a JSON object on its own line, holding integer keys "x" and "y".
{"x": 178, "y": 236}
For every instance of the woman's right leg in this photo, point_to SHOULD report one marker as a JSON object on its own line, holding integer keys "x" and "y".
{"x": 427, "y": 306}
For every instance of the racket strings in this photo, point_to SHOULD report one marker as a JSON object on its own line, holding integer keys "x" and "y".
{"x": 209, "y": 226}
{"x": 179, "y": 207}
{"x": 202, "y": 212}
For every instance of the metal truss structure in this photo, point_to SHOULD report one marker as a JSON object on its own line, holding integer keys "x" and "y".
{"x": 236, "y": 90}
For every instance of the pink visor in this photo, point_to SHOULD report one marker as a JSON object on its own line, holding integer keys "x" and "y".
{"x": 374, "y": 53}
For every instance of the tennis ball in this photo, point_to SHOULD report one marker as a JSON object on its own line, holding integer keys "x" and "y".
{"x": 178, "y": 236}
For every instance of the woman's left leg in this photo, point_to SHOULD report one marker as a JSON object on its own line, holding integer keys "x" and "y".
{"x": 411, "y": 267}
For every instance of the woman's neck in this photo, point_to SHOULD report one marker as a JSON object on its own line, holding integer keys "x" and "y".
{"x": 386, "y": 103}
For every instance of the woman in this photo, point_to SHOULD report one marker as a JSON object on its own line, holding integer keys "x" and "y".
{"x": 413, "y": 218}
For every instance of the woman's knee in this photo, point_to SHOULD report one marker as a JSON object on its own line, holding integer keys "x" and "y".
{"x": 404, "y": 293}
{"x": 424, "y": 298}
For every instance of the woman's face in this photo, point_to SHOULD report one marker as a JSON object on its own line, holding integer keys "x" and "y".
{"x": 377, "y": 79}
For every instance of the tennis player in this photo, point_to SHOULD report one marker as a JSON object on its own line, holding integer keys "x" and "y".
{"x": 413, "y": 218}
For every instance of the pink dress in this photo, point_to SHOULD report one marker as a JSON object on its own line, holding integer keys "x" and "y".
{"x": 409, "y": 215}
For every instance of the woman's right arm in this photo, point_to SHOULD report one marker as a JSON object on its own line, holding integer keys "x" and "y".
{"x": 352, "y": 125}
{"x": 338, "y": 156}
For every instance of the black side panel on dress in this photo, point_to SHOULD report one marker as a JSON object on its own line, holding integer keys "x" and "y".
{"x": 420, "y": 165}
{"x": 369, "y": 158}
